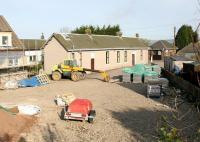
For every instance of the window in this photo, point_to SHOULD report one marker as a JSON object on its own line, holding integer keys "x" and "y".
{"x": 32, "y": 58}
{"x": 141, "y": 54}
{"x": 118, "y": 56}
{"x": 12, "y": 61}
{"x": 81, "y": 59}
{"x": 73, "y": 56}
{"x": 125, "y": 56}
{"x": 107, "y": 57}
{"x": 4, "y": 40}
{"x": 2, "y": 60}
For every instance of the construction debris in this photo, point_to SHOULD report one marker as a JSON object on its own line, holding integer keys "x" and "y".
{"x": 29, "y": 109}
{"x": 12, "y": 125}
{"x": 65, "y": 99}
{"x": 11, "y": 84}
{"x": 38, "y": 80}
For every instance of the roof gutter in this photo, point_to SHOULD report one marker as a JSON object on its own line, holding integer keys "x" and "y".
{"x": 97, "y": 49}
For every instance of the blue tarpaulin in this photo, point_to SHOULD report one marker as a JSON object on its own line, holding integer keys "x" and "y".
{"x": 31, "y": 82}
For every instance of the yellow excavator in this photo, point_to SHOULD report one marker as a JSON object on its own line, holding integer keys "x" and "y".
{"x": 69, "y": 68}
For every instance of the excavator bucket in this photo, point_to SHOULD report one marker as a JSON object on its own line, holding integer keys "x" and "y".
{"x": 105, "y": 76}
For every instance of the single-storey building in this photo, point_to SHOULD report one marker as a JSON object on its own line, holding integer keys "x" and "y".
{"x": 102, "y": 52}
{"x": 191, "y": 51}
{"x": 175, "y": 63}
{"x": 160, "y": 49}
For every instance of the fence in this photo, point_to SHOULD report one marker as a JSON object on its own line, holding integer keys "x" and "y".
{"x": 192, "y": 90}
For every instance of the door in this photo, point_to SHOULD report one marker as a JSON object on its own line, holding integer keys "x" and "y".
{"x": 133, "y": 59}
{"x": 92, "y": 63}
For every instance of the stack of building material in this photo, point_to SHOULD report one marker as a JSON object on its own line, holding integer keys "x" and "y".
{"x": 164, "y": 83}
{"x": 157, "y": 85}
{"x": 149, "y": 75}
{"x": 141, "y": 73}
{"x": 65, "y": 99}
{"x": 153, "y": 90}
{"x": 137, "y": 78}
{"x": 159, "y": 81}
{"x": 16, "y": 76}
{"x": 126, "y": 77}
{"x": 157, "y": 69}
{"x": 11, "y": 84}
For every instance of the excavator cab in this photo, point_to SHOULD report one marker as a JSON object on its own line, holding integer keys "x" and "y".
{"x": 71, "y": 63}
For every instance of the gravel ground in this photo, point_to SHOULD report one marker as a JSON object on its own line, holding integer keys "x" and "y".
{"x": 123, "y": 112}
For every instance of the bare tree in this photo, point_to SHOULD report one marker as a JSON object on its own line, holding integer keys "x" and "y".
{"x": 65, "y": 30}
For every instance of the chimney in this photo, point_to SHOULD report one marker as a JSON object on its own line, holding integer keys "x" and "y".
{"x": 137, "y": 35}
{"x": 42, "y": 36}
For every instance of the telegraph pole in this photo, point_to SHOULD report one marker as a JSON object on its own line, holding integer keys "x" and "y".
{"x": 174, "y": 39}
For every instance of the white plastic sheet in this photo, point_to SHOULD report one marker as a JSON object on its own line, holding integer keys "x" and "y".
{"x": 29, "y": 109}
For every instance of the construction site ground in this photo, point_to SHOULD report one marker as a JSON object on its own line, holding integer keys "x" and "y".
{"x": 123, "y": 111}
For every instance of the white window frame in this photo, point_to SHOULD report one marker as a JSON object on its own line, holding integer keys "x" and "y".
{"x": 33, "y": 58}
{"x": 14, "y": 61}
{"x": 4, "y": 44}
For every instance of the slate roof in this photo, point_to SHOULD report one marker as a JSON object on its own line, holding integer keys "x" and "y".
{"x": 162, "y": 45}
{"x": 85, "y": 41}
{"x": 5, "y": 27}
{"x": 190, "y": 49}
{"x": 180, "y": 58}
{"x": 33, "y": 44}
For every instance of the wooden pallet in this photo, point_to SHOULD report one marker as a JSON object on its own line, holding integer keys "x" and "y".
{"x": 43, "y": 79}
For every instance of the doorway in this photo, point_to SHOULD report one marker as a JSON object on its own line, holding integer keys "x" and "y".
{"x": 133, "y": 59}
{"x": 92, "y": 63}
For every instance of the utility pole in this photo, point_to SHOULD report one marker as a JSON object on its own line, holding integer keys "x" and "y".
{"x": 174, "y": 39}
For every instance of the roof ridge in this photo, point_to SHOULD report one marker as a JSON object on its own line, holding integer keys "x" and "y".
{"x": 163, "y": 44}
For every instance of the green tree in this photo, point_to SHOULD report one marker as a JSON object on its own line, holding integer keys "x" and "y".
{"x": 104, "y": 30}
{"x": 185, "y": 36}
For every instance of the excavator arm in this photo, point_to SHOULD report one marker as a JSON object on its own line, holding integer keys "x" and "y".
{"x": 104, "y": 74}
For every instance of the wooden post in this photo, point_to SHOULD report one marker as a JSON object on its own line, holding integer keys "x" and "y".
{"x": 174, "y": 38}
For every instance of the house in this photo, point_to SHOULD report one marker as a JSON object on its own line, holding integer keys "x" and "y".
{"x": 160, "y": 49}
{"x": 191, "y": 51}
{"x": 102, "y": 52}
{"x": 32, "y": 49}
{"x": 175, "y": 63}
{"x": 11, "y": 48}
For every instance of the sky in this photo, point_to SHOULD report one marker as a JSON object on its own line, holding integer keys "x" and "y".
{"x": 152, "y": 19}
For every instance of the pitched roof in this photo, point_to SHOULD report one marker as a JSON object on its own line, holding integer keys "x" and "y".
{"x": 161, "y": 45}
{"x": 191, "y": 48}
{"x": 5, "y": 27}
{"x": 180, "y": 58}
{"x": 33, "y": 44}
{"x": 85, "y": 41}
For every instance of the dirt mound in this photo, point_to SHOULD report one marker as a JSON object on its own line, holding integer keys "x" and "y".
{"x": 12, "y": 125}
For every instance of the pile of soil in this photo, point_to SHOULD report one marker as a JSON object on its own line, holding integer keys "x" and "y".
{"x": 12, "y": 125}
